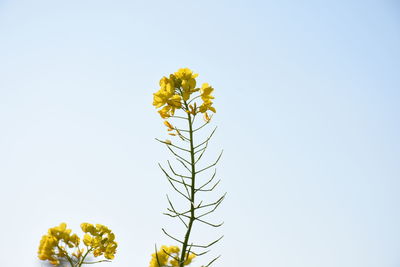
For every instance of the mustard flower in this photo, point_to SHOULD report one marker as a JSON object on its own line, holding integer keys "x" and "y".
{"x": 176, "y": 91}
{"x": 167, "y": 97}
{"x": 101, "y": 239}
{"x": 53, "y": 246}
{"x": 186, "y": 79}
{"x": 58, "y": 244}
{"x": 205, "y": 93}
{"x": 168, "y": 256}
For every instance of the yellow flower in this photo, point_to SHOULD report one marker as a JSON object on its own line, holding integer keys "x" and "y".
{"x": 101, "y": 239}
{"x": 186, "y": 79}
{"x": 88, "y": 228}
{"x": 176, "y": 90}
{"x": 168, "y": 256}
{"x": 189, "y": 259}
{"x": 167, "y": 112}
{"x": 87, "y": 240}
{"x": 162, "y": 97}
{"x": 168, "y": 84}
{"x": 185, "y": 74}
{"x": 206, "y": 91}
{"x": 78, "y": 253}
{"x": 206, "y": 117}
{"x": 207, "y": 106}
{"x": 53, "y": 245}
{"x": 174, "y": 101}
{"x": 169, "y": 125}
{"x": 167, "y": 97}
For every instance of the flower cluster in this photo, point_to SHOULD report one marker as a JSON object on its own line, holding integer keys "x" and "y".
{"x": 100, "y": 239}
{"x": 58, "y": 244}
{"x": 168, "y": 256}
{"x": 54, "y": 245}
{"x": 206, "y": 96}
{"x": 175, "y": 92}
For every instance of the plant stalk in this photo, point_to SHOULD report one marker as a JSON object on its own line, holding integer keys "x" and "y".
{"x": 192, "y": 191}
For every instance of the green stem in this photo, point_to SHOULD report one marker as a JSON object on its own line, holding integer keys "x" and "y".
{"x": 84, "y": 256}
{"x": 192, "y": 191}
{"x": 66, "y": 256}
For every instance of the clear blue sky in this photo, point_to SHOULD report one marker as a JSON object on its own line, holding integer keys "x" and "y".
{"x": 307, "y": 94}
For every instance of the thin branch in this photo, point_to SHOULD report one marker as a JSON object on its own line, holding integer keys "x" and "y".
{"x": 197, "y": 207}
{"x": 168, "y": 176}
{"x": 195, "y": 130}
{"x": 173, "y": 216}
{"x": 215, "y": 163}
{"x": 182, "y": 178}
{"x": 173, "y": 210}
{"x": 184, "y": 138}
{"x": 200, "y": 254}
{"x": 96, "y": 262}
{"x": 193, "y": 99}
{"x": 212, "y": 210}
{"x": 184, "y": 165}
{"x": 178, "y": 156}
{"x": 201, "y": 149}
{"x": 66, "y": 255}
{"x": 213, "y": 203}
{"x": 181, "y": 130}
{"x": 194, "y": 117}
{"x": 208, "y": 138}
{"x": 210, "y": 189}
{"x": 188, "y": 251}
{"x": 183, "y": 149}
{"x": 186, "y": 186}
{"x": 177, "y": 190}
{"x": 202, "y": 153}
{"x": 170, "y": 236}
{"x": 175, "y": 173}
{"x": 158, "y": 261}
{"x": 209, "y": 181}
{"x": 179, "y": 117}
{"x": 211, "y": 262}
{"x": 169, "y": 180}
{"x": 179, "y": 213}
{"x": 175, "y": 258}
{"x": 209, "y": 245}
{"x": 210, "y": 224}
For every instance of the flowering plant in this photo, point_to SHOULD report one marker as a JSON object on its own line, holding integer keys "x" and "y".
{"x": 60, "y": 245}
{"x": 178, "y": 93}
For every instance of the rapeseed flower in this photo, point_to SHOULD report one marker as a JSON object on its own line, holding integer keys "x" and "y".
{"x": 53, "y": 246}
{"x": 186, "y": 79}
{"x": 59, "y": 242}
{"x": 205, "y": 93}
{"x": 176, "y": 93}
{"x": 101, "y": 239}
{"x": 168, "y": 256}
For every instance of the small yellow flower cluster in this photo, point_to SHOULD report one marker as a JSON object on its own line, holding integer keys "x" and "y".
{"x": 53, "y": 245}
{"x": 176, "y": 90}
{"x": 168, "y": 256}
{"x": 99, "y": 238}
{"x": 59, "y": 243}
{"x": 206, "y": 96}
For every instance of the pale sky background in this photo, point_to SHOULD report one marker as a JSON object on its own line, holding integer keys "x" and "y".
{"x": 308, "y": 102}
